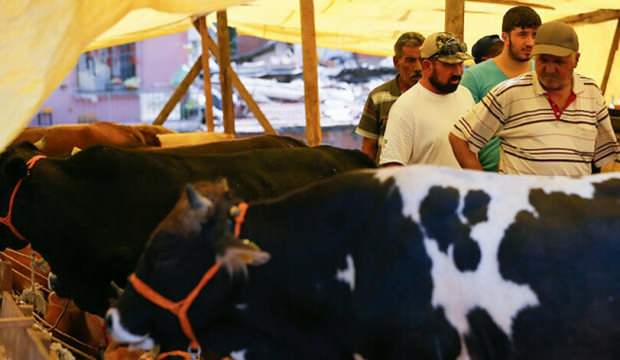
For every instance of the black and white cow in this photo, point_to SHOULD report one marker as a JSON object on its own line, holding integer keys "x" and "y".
{"x": 409, "y": 263}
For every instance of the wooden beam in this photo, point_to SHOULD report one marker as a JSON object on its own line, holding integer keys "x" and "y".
{"x": 592, "y": 17}
{"x": 243, "y": 91}
{"x": 311, "y": 88}
{"x": 611, "y": 57}
{"x": 179, "y": 92}
{"x": 16, "y": 322}
{"x": 516, "y": 3}
{"x": 223, "y": 41}
{"x": 201, "y": 25}
{"x": 455, "y": 17}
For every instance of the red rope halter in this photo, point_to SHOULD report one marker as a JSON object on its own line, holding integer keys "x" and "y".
{"x": 8, "y": 219}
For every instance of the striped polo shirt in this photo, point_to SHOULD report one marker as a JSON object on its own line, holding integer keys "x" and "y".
{"x": 374, "y": 117}
{"x": 533, "y": 140}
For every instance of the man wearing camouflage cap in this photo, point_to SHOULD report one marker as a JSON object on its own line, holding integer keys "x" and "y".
{"x": 421, "y": 119}
{"x": 550, "y": 121}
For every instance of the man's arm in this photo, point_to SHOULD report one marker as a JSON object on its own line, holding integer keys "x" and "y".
{"x": 370, "y": 147}
{"x": 466, "y": 158}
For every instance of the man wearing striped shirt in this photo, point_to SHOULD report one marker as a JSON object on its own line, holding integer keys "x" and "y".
{"x": 550, "y": 121}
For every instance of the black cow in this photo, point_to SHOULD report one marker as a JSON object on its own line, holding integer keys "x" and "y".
{"x": 90, "y": 215}
{"x": 408, "y": 263}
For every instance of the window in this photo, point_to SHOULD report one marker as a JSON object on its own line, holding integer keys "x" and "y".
{"x": 108, "y": 69}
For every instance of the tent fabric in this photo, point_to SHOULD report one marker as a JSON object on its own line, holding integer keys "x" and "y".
{"x": 372, "y": 27}
{"x": 41, "y": 40}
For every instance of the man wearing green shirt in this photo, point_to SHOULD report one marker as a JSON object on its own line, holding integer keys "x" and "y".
{"x": 519, "y": 27}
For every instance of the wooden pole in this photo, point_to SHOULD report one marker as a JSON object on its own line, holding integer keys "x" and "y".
{"x": 455, "y": 17}
{"x": 593, "y": 17}
{"x": 225, "y": 82}
{"x": 245, "y": 94}
{"x": 206, "y": 72}
{"x": 611, "y": 57}
{"x": 179, "y": 92}
{"x": 311, "y": 88}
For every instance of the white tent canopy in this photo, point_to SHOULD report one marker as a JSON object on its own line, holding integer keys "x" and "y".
{"x": 42, "y": 39}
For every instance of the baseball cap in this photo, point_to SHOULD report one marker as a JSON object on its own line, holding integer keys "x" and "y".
{"x": 483, "y": 45}
{"x": 445, "y": 47}
{"x": 556, "y": 38}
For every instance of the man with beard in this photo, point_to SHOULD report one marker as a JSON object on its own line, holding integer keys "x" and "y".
{"x": 519, "y": 27}
{"x": 551, "y": 120}
{"x": 421, "y": 119}
{"x": 374, "y": 117}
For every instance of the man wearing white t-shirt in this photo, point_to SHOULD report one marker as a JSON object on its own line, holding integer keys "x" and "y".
{"x": 421, "y": 119}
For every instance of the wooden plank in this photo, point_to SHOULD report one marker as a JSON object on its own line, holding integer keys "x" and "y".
{"x": 592, "y": 17}
{"x": 16, "y": 322}
{"x": 311, "y": 88}
{"x": 455, "y": 17}
{"x": 223, "y": 41}
{"x": 179, "y": 92}
{"x": 206, "y": 73}
{"x": 20, "y": 342}
{"x": 243, "y": 91}
{"x": 516, "y": 3}
{"x": 611, "y": 57}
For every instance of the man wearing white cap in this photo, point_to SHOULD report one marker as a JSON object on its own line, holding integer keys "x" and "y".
{"x": 421, "y": 119}
{"x": 550, "y": 121}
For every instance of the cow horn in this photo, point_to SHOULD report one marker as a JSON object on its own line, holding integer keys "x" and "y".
{"x": 75, "y": 150}
{"x": 41, "y": 143}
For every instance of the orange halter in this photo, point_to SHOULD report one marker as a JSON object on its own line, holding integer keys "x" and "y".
{"x": 8, "y": 219}
{"x": 180, "y": 308}
{"x": 240, "y": 218}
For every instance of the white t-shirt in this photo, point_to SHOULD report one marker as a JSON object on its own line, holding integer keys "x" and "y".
{"x": 419, "y": 124}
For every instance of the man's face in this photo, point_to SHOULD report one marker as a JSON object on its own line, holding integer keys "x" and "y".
{"x": 444, "y": 77}
{"x": 519, "y": 43}
{"x": 409, "y": 66}
{"x": 555, "y": 72}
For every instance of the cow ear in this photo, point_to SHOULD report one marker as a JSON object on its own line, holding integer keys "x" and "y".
{"x": 75, "y": 150}
{"x": 238, "y": 254}
{"x": 222, "y": 185}
{"x": 195, "y": 200}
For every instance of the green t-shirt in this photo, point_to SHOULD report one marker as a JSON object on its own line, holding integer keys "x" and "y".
{"x": 480, "y": 79}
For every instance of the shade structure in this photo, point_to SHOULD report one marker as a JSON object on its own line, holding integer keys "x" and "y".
{"x": 42, "y": 39}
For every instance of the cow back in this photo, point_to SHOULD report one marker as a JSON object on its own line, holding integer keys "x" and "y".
{"x": 231, "y": 146}
{"x": 61, "y": 139}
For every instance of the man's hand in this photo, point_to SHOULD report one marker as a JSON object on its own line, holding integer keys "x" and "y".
{"x": 370, "y": 148}
{"x": 466, "y": 158}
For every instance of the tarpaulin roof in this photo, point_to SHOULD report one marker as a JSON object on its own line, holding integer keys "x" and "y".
{"x": 41, "y": 39}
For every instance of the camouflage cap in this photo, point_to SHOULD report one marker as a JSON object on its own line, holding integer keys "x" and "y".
{"x": 444, "y": 47}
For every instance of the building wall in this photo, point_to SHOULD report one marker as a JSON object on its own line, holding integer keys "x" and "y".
{"x": 157, "y": 61}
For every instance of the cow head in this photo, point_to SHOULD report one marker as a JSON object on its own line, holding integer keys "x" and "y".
{"x": 195, "y": 235}
{"x": 13, "y": 161}
{"x": 13, "y": 167}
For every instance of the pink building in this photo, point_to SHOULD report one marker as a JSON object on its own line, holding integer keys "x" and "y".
{"x": 125, "y": 84}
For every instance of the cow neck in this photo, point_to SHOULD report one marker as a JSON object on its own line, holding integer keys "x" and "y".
{"x": 7, "y": 220}
{"x": 179, "y": 309}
